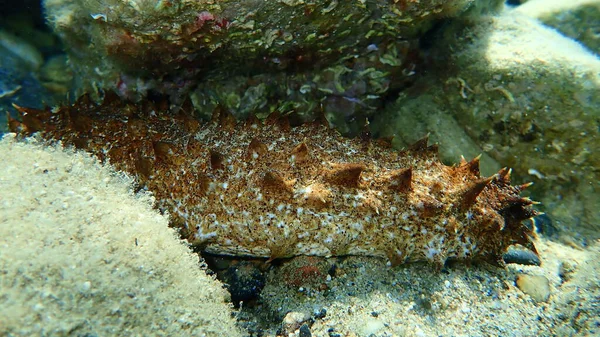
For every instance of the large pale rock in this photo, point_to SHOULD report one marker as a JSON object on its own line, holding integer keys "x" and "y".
{"x": 577, "y": 19}
{"x": 528, "y": 96}
{"x": 82, "y": 255}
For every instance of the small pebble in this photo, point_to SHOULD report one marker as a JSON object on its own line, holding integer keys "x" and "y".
{"x": 496, "y": 305}
{"x": 320, "y": 313}
{"x": 521, "y": 256}
{"x": 371, "y": 326}
{"x": 85, "y": 287}
{"x": 565, "y": 271}
{"x": 293, "y": 320}
{"x": 536, "y": 286}
{"x": 331, "y": 332}
{"x": 304, "y": 331}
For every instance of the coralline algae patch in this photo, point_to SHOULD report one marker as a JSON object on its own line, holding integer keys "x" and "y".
{"x": 266, "y": 189}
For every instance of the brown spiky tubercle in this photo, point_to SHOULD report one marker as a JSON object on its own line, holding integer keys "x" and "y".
{"x": 266, "y": 189}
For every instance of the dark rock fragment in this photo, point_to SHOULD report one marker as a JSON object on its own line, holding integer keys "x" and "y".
{"x": 244, "y": 281}
{"x": 521, "y": 256}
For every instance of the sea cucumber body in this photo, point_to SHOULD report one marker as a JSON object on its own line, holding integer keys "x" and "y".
{"x": 265, "y": 189}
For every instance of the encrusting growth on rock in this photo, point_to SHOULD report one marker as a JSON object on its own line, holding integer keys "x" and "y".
{"x": 267, "y": 189}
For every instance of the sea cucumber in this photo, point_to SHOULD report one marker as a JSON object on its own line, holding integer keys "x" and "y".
{"x": 267, "y": 189}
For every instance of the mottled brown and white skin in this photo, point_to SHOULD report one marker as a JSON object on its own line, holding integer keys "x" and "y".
{"x": 265, "y": 189}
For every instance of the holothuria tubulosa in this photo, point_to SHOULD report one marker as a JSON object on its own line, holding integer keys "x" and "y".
{"x": 265, "y": 189}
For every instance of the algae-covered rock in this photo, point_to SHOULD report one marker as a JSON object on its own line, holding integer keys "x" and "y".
{"x": 287, "y": 55}
{"x": 346, "y": 92}
{"x": 82, "y": 255}
{"x": 416, "y": 114}
{"x": 528, "y": 97}
{"x": 577, "y": 19}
